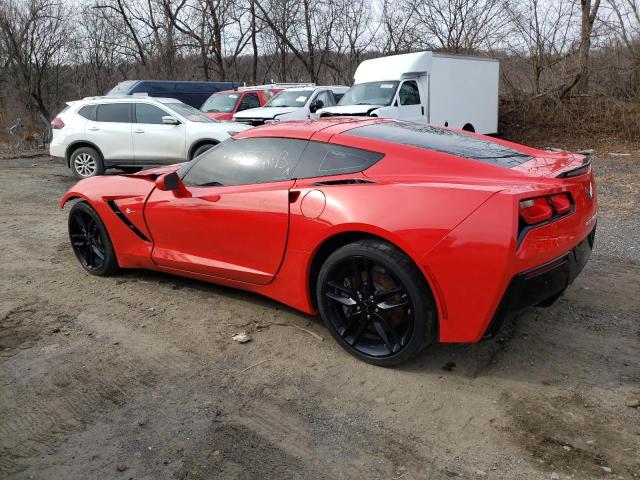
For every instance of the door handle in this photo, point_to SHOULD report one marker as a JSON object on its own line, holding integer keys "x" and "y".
{"x": 138, "y": 131}
{"x": 210, "y": 198}
{"x": 93, "y": 129}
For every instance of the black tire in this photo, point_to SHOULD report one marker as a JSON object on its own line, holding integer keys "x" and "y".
{"x": 130, "y": 169}
{"x": 90, "y": 241}
{"x": 404, "y": 323}
{"x": 201, "y": 149}
{"x": 86, "y": 162}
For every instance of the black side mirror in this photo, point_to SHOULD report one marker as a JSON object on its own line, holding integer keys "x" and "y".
{"x": 170, "y": 181}
{"x": 315, "y": 106}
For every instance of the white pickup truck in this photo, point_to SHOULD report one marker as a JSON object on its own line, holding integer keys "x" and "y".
{"x": 450, "y": 90}
{"x": 299, "y": 103}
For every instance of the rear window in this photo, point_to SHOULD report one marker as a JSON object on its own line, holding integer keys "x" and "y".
{"x": 326, "y": 159}
{"x": 442, "y": 140}
{"x": 88, "y": 112}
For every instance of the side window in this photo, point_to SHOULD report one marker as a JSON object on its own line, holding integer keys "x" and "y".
{"x": 249, "y": 100}
{"x": 146, "y": 113}
{"x": 114, "y": 112}
{"x": 325, "y": 98}
{"x": 88, "y": 112}
{"x": 409, "y": 93}
{"x": 248, "y": 161}
{"x": 325, "y": 159}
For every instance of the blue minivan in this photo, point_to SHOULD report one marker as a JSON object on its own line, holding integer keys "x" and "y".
{"x": 191, "y": 93}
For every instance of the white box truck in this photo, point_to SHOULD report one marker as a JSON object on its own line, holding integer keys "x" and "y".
{"x": 451, "y": 90}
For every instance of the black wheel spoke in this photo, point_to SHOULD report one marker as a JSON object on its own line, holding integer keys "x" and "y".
{"x": 346, "y": 301}
{"x": 389, "y": 327}
{"x": 383, "y": 335}
{"x": 386, "y": 306}
{"x": 93, "y": 230}
{"x": 357, "y": 273}
{"x": 346, "y": 290}
{"x": 362, "y": 326}
{"x": 383, "y": 295}
{"x": 368, "y": 276}
{"x": 97, "y": 252}
{"x": 352, "y": 321}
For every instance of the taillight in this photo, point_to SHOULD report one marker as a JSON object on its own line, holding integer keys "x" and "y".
{"x": 561, "y": 203}
{"x": 57, "y": 123}
{"x": 541, "y": 209}
{"x": 535, "y": 210}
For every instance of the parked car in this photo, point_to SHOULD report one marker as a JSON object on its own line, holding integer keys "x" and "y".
{"x": 451, "y": 90}
{"x": 97, "y": 133}
{"x": 297, "y": 103}
{"x": 191, "y": 93}
{"x": 399, "y": 233}
{"x": 223, "y": 105}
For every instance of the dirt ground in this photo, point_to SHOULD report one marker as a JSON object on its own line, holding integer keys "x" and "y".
{"x": 135, "y": 376}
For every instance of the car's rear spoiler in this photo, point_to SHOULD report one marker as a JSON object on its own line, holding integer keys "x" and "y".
{"x": 581, "y": 170}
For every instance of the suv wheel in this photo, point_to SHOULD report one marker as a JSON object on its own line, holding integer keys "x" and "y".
{"x": 86, "y": 162}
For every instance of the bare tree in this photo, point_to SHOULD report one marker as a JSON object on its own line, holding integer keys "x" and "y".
{"x": 588, "y": 16}
{"x": 33, "y": 36}
{"x": 541, "y": 35}
{"x": 458, "y": 26}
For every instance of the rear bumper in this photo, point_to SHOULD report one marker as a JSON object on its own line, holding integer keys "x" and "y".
{"x": 542, "y": 284}
{"x": 57, "y": 150}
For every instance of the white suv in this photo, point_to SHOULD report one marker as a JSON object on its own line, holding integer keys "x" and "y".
{"x": 130, "y": 132}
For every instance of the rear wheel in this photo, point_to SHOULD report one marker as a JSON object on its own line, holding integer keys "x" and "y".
{"x": 376, "y": 303}
{"x": 90, "y": 241}
{"x": 86, "y": 162}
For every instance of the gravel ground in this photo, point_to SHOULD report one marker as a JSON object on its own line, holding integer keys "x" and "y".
{"x": 136, "y": 376}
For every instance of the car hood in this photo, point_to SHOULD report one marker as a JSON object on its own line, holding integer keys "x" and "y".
{"x": 221, "y": 116}
{"x": 347, "y": 110}
{"x": 264, "y": 112}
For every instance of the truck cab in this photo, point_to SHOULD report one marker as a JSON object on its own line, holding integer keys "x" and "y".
{"x": 451, "y": 90}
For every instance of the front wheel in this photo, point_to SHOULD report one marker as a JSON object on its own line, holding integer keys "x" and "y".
{"x": 90, "y": 241}
{"x": 376, "y": 302}
{"x": 201, "y": 149}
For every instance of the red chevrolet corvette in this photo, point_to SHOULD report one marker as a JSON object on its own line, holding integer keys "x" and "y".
{"x": 398, "y": 233}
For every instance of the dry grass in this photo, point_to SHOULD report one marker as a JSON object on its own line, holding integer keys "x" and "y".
{"x": 603, "y": 123}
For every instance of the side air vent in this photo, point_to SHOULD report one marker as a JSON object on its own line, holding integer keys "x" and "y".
{"x": 344, "y": 181}
{"x": 114, "y": 206}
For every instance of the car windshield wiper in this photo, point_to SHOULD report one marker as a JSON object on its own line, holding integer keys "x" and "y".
{"x": 212, "y": 184}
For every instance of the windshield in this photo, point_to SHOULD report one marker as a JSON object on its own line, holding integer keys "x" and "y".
{"x": 372, "y": 93}
{"x": 290, "y": 98}
{"x": 221, "y": 102}
{"x": 188, "y": 112}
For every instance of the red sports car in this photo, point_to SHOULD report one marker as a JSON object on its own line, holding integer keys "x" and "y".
{"x": 398, "y": 233}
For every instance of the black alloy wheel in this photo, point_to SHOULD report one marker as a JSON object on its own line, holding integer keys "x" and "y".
{"x": 376, "y": 302}
{"x": 90, "y": 240}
